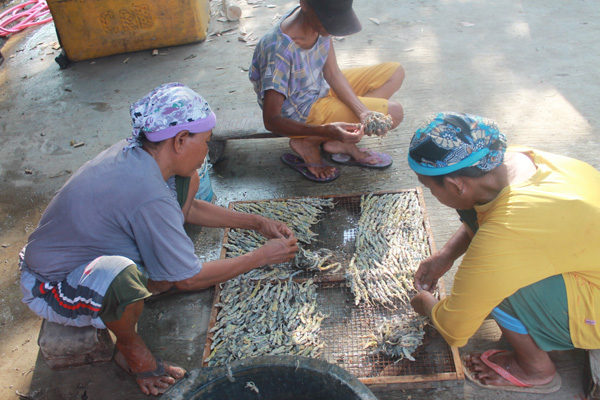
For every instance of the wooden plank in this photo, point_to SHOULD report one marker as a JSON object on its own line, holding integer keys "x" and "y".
{"x": 211, "y": 323}
{"x": 248, "y": 132}
{"x": 396, "y": 387}
{"x": 245, "y": 123}
{"x": 403, "y": 379}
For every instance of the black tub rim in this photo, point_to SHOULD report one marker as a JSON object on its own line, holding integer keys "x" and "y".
{"x": 200, "y": 378}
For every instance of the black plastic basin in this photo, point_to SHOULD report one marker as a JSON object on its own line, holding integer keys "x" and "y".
{"x": 275, "y": 377}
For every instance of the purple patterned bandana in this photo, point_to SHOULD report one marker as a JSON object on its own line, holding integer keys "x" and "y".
{"x": 168, "y": 110}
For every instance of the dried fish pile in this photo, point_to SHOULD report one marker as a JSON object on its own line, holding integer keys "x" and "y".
{"x": 399, "y": 336}
{"x": 299, "y": 215}
{"x": 377, "y": 124}
{"x": 319, "y": 260}
{"x": 258, "y": 318}
{"x": 391, "y": 242}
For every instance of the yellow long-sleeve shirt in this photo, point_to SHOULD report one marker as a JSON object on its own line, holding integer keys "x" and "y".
{"x": 545, "y": 226}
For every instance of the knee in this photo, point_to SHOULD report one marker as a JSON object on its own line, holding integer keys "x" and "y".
{"x": 397, "y": 112}
{"x": 398, "y": 75}
{"x": 127, "y": 288}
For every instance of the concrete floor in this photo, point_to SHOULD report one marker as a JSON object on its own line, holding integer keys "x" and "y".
{"x": 530, "y": 65}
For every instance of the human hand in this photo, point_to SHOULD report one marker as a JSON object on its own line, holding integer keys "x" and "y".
{"x": 430, "y": 270}
{"x": 346, "y": 132}
{"x": 272, "y": 229}
{"x": 423, "y": 303}
{"x": 277, "y": 251}
{"x": 364, "y": 115}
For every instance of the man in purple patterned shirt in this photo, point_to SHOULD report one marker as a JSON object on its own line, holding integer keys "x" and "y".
{"x": 305, "y": 96}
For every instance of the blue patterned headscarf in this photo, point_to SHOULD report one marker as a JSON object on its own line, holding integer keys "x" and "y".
{"x": 168, "y": 110}
{"x": 452, "y": 141}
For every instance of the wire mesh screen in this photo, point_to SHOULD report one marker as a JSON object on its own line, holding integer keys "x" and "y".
{"x": 348, "y": 324}
{"x": 347, "y": 328}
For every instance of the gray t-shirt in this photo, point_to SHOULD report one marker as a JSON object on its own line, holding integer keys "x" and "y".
{"x": 116, "y": 204}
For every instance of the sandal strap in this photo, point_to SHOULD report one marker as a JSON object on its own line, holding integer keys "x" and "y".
{"x": 159, "y": 371}
{"x": 322, "y": 165}
{"x": 366, "y": 160}
{"x": 499, "y": 370}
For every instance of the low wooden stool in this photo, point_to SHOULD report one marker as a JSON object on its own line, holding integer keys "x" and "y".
{"x": 242, "y": 123}
{"x": 70, "y": 346}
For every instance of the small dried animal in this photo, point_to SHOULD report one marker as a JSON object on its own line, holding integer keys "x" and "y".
{"x": 299, "y": 215}
{"x": 398, "y": 337}
{"x": 378, "y": 124}
{"x": 265, "y": 318}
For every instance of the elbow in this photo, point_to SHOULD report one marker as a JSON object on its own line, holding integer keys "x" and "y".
{"x": 270, "y": 124}
{"x": 183, "y": 285}
{"x": 451, "y": 338}
{"x": 189, "y": 284}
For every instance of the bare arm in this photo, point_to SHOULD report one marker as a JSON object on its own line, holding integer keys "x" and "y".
{"x": 276, "y": 123}
{"x": 275, "y": 251}
{"x": 281, "y": 247}
{"x": 340, "y": 85}
{"x": 210, "y": 215}
{"x": 423, "y": 303}
{"x": 436, "y": 265}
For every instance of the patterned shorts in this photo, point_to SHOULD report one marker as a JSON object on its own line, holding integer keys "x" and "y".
{"x": 77, "y": 299}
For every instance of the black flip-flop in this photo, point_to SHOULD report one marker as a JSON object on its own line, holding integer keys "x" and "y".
{"x": 298, "y": 164}
{"x": 158, "y": 372}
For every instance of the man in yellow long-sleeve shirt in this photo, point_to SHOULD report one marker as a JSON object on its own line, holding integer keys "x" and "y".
{"x": 530, "y": 234}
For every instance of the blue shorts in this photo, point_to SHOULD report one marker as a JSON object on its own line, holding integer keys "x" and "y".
{"x": 540, "y": 310}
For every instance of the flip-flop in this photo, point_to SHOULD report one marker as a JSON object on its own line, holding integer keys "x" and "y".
{"x": 383, "y": 160}
{"x": 517, "y": 385}
{"x": 159, "y": 371}
{"x": 299, "y": 165}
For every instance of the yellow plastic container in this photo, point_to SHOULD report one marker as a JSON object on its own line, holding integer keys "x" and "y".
{"x": 97, "y": 28}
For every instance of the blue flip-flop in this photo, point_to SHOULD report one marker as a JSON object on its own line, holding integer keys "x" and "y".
{"x": 298, "y": 164}
{"x": 383, "y": 159}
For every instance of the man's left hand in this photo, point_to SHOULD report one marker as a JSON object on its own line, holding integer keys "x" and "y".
{"x": 272, "y": 229}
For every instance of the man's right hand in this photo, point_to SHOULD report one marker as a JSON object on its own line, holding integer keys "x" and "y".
{"x": 430, "y": 270}
{"x": 345, "y": 132}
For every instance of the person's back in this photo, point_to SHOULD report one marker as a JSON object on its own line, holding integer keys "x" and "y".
{"x": 92, "y": 215}
{"x": 281, "y": 65}
{"x": 556, "y": 211}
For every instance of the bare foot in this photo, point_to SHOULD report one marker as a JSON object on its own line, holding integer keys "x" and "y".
{"x": 336, "y": 147}
{"x": 531, "y": 375}
{"x": 153, "y": 385}
{"x": 308, "y": 149}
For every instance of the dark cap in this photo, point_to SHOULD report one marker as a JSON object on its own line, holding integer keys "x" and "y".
{"x": 336, "y": 16}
